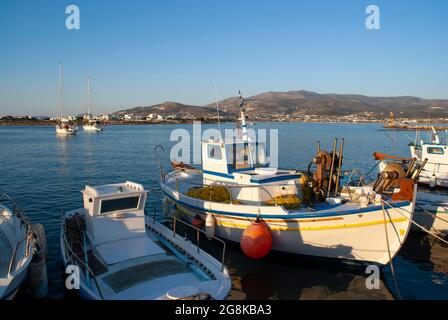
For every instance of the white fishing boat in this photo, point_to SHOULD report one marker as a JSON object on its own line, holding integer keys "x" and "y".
{"x": 16, "y": 247}
{"x": 90, "y": 124}
{"x": 431, "y": 209}
{"x": 64, "y": 126}
{"x": 431, "y": 212}
{"x": 435, "y": 172}
{"x": 236, "y": 196}
{"x": 119, "y": 258}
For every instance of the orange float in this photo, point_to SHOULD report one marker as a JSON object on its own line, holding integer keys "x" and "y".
{"x": 197, "y": 222}
{"x": 256, "y": 240}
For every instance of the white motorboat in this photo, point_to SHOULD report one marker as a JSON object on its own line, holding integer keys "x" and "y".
{"x": 16, "y": 247}
{"x": 90, "y": 124}
{"x": 119, "y": 258}
{"x": 235, "y": 193}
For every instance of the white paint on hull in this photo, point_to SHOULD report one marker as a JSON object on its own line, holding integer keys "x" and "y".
{"x": 354, "y": 236}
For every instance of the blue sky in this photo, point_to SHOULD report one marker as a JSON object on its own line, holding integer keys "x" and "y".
{"x": 146, "y": 52}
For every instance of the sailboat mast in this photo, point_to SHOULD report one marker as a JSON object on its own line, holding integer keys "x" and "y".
{"x": 61, "y": 102}
{"x": 88, "y": 97}
{"x": 217, "y": 109}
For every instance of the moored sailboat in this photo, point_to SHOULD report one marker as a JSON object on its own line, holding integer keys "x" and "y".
{"x": 90, "y": 124}
{"x": 64, "y": 126}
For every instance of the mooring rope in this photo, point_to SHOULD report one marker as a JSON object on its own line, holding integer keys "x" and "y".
{"x": 430, "y": 213}
{"x": 388, "y": 251}
{"x": 415, "y": 223}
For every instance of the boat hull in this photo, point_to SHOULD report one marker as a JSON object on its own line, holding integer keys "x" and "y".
{"x": 218, "y": 290}
{"x": 431, "y": 212}
{"x": 356, "y": 235}
{"x": 63, "y": 131}
{"x": 15, "y": 283}
{"x": 92, "y": 128}
{"x": 433, "y": 179}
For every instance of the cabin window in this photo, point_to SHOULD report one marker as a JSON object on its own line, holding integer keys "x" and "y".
{"x": 129, "y": 203}
{"x": 214, "y": 151}
{"x": 435, "y": 150}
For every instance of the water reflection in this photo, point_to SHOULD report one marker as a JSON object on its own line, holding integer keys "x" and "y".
{"x": 421, "y": 268}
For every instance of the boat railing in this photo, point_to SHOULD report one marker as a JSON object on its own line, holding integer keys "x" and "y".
{"x": 14, "y": 253}
{"x": 18, "y": 213}
{"x": 198, "y": 233}
{"x": 70, "y": 254}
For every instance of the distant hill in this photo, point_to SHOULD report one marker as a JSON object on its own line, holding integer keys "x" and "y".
{"x": 305, "y": 102}
{"x": 172, "y": 108}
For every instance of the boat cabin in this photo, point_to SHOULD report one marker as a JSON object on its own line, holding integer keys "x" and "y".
{"x": 238, "y": 163}
{"x": 114, "y": 212}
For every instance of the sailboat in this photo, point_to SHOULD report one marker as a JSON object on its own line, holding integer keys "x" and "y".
{"x": 90, "y": 124}
{"x": 64, "y": 125}
{"x": 238, "y": 196}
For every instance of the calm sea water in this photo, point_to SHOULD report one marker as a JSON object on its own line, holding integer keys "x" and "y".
{"x": 45, "y": 173}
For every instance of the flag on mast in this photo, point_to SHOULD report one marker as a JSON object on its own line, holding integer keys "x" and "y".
{"x": 241, "y": 99}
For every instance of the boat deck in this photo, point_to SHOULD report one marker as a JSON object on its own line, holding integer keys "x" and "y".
{"x": 133, "y": 264}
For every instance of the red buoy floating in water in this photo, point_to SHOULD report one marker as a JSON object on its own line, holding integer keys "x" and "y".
{"x": 256, "y": 240}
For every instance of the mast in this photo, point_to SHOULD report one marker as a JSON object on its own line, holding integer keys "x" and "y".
{"x": 61, "y": 102}
{"x": 243, "y": 117}
{"x": 244, "y": 129}
{"x": 217, "y": 110}
{"x": 88, "y": 97}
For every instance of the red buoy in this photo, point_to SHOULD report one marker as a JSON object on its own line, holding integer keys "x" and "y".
{"x": 197, "y": 222}
{"x": 256, "y": 240}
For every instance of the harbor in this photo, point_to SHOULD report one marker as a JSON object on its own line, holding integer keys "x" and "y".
{"x": 223, "y": 159}
{"x": 71, "y": 162}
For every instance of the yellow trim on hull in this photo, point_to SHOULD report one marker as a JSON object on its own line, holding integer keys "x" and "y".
{"x": 343, "y": 226}
{"x": 277, "y": 228}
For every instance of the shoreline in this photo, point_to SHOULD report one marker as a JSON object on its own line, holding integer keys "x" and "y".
{"x": 39, "y": 123}
{"x": 43, "y": 123}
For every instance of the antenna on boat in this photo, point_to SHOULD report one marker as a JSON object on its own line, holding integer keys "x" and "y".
{"x": 244, "y": 127}
{"x": 243, "y": 116}
{"x": 217, "y": 109}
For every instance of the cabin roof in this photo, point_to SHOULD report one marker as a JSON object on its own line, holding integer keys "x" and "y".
{"x": 113, "y": 189}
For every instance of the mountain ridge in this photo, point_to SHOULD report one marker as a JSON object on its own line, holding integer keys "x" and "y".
{"x": 300, "y": 102}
